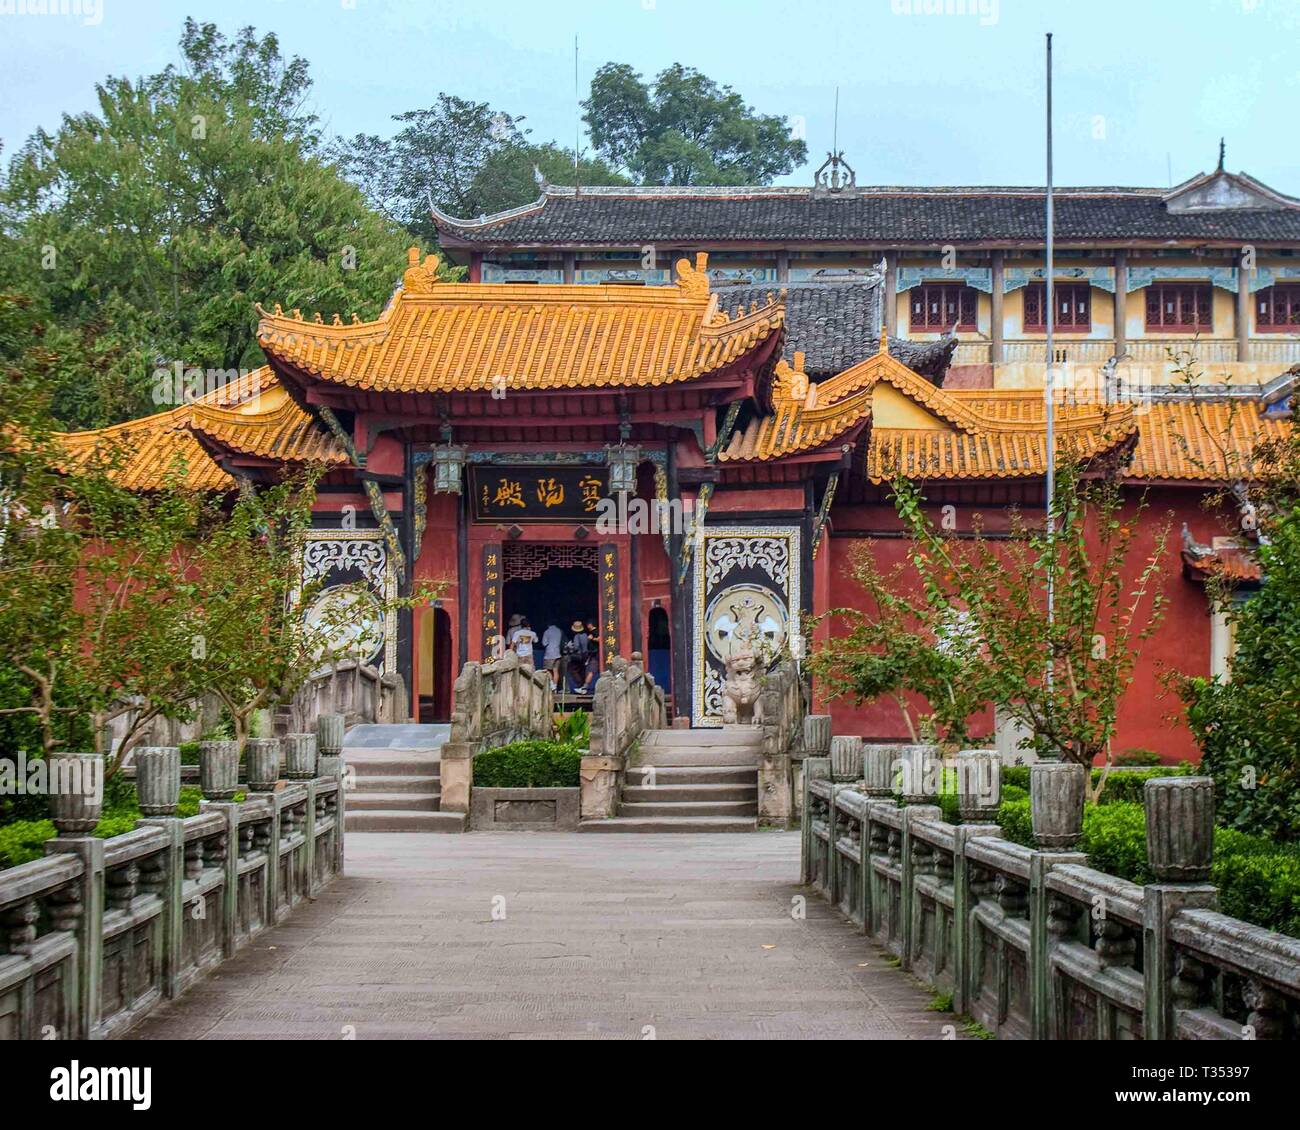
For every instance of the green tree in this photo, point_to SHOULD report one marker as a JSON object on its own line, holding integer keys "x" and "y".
{"x": 465, "y": 157}
{"x": 1060, "y": 672}
{"x": 147, "y": 230}
{"x": 685, "y": 129}
{"x": 1248, "y": 726}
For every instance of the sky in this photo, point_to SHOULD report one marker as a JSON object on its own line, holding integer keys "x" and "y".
{"x": 930, "y": 91}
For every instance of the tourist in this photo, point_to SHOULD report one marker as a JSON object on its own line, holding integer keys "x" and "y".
{"x": 523, "y": 639}
{"x": 512, "y": 629}
{"x": 552, "y": 643}
{"x": 576, "y": 650}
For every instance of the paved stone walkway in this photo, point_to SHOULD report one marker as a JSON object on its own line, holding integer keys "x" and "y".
{"x": 602, "y": 937}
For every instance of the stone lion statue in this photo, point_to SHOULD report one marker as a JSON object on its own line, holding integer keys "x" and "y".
{"x": 744, "y": 672}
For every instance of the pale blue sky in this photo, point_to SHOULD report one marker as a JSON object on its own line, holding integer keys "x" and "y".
{"x": 1143, "y": 87}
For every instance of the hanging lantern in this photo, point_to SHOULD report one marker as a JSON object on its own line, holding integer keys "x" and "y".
{"x": 623, "y": 459}
{"x": 448, "y": 465}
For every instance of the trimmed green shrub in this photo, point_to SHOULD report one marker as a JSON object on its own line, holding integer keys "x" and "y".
{"x": 1120, "y": 787}
{"x": 529, "y": 765}
{"x": 1017, "y": 824}
{"x": 1138, "y": 757}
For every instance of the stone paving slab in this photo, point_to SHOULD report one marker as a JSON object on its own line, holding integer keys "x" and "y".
{"x": 558, "y": 936}
{"x": 397, "y": 735}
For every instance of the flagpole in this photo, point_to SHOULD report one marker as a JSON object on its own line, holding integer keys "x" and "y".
{"x": 1048, "y": 379}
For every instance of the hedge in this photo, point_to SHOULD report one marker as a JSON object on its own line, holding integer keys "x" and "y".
{"x": 1258, "y": 880}
{"x": 24, "y": 840}
{"x": 532, "y": 764}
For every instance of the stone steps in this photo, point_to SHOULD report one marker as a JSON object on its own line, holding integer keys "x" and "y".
{"x": 661, "y": 824}
{"x": 699, "y": 753}
{"x": 394, "y": 820}
{"x": 394, "y": 802}
{"x": 393, "y": 789}
{"x": 689, "y": 808}
{"x": 703, "y": 781}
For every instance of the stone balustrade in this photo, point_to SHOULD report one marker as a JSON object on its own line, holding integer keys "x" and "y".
{"x": 625, "y": 703}
{"x": 495, "y": 703}
{"x": 96, "y": 934}
{"x": 350, "y": 688}
{"x": 783, "y": 701}
{"x": 1035, "y": 944}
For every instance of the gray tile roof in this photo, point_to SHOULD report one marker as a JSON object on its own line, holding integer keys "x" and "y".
{"x": 837, "y": 325}
{"x": 636, "y": 216}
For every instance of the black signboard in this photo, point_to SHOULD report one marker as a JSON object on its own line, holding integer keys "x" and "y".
{"x": 538, "y": 493}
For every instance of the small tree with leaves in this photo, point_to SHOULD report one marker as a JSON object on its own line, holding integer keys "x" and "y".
{"x": 981, "y": 631}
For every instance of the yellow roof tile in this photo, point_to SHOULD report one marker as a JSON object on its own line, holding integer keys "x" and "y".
{"x": 442, "y": 337}
{"x": 279, "y": 429}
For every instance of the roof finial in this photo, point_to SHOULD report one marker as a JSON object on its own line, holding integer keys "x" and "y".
{"x": 1221, "y": 148}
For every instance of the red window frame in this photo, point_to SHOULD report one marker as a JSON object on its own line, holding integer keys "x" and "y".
{"x": 1073, "y": 307}
{"x": 935, "y": 306}
{"x": 1180, "y": 307}
{"x": 1277, "y": 309}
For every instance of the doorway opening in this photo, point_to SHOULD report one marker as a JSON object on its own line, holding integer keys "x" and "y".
{"x": 551, "y": 586}
{"x": 659, "y": 650}
{"x": 436, "y": 671}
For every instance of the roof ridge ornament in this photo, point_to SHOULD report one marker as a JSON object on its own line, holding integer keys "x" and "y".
{"x": 834, "y": 176}
{"x": 694, "y": 280}
{"x": 420, "y": 278}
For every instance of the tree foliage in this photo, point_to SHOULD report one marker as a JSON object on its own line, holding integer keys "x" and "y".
{"x": 683, "y": 128}
{"x": 465, "y": 157}
{"x": 147, "y": 230}
{"x": 965, "y": 624}
{"x": 1248, "y": 726}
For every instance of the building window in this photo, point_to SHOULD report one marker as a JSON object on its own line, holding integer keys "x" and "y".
{"x": 1180, "y": 309}
{"x": 1277, "y": 309}
{"x": 935, "y": 307}
{"x": 1073, "y": 307}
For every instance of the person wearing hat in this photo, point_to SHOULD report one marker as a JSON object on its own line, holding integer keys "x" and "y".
{"x": 512, "y": 629}
{"x": 576, "y": 650}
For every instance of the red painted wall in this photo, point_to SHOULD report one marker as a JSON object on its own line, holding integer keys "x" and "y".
{"x": 1149, "y": 716}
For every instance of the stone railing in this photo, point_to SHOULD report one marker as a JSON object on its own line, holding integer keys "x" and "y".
{"x": 1032, "y": 942}
{"x": 492, "y": 704}
{"x": 96, "y": 934}
{"x": 624, "y": 705}
{"x": 784, "y": 701}
{"x": 355, "y": 690}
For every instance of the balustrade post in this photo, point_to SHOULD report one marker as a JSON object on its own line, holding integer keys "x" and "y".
{"x": 846, "y": 757}
{"x": 173, "y": 911}
{"x": 907, "y": 895}
{"x": 963, "y": 903}
{"x": 1056, "y": 795}
{"x": 814, "y": 769}
{"x": 90, "y": 929}
{"x": 229, "y": 811}
{"x": 1180, "y": 851}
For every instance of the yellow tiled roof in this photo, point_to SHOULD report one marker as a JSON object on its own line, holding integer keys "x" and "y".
{"x": 1205, "y": 441}
{"x": 278, "y": 429}
{"x": 253, "y": 415}
{"x": 977, "y": 437}
{"x": 442, "y": 337}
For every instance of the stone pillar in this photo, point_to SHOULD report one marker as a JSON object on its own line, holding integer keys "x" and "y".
{"x": 1121, "y": 302}
{"x": 599, "y": 780}
{"x": 846, "y": 757}
{"x": 1056, "y": 794}
{"x": 219, "y": 769}
{"x": 300, "y": 754}
{"x": 814, "y": 769}
{"x": 921, "y": 771}
{"x": 457, "y": 776}
{"x": 172, "y": 918}
{"x": 878, "y": 770}
{"x": 262, "y": 763}
{"x": 891, "y": 293}
{"x": 1243, "y": 313}
{"x": 1180, "y": 849}
{"x": 907, "y": 893}
{"x": 329, "y": 741}
{"x": 158, "y": 779}
{"x": 978, "y": 785}
{"x": 76, "y": 791}
{"x": 995, "y": 325}
{"x": 90, "y": 931}
{"x": 816, "y": 735}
